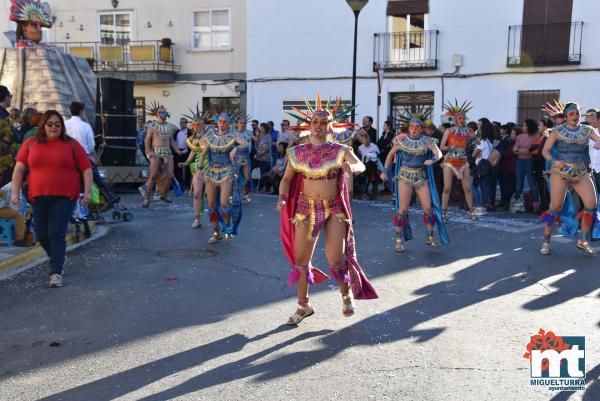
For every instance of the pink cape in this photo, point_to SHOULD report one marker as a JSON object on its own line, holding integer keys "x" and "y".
{"x": 360, "y": 285}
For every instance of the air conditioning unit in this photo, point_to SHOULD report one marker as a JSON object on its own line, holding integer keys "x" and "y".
{"x": 457, "y": 60}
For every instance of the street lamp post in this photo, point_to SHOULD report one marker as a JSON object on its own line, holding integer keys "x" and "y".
{"x": 356, "y": 6}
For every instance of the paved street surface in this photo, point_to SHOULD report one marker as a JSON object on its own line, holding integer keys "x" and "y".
{"x": 151, "y": 312}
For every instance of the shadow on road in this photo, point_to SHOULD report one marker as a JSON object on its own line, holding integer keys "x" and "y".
{"x": 128, "y": 296}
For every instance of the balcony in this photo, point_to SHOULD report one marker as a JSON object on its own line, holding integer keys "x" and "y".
{"x": 544, "y": 45}
{"x": 402, "y": 51}
{"x": 139, "y": 61}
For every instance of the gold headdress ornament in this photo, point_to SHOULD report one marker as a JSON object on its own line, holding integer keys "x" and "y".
{"x": 336, "y": 113}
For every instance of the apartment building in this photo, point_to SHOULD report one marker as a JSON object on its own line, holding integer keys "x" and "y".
{"x": 178, "y": 53}
{"x": 507, "y": 57}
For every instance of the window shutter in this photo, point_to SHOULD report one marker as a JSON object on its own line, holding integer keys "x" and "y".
{"x": 404, "y": 7}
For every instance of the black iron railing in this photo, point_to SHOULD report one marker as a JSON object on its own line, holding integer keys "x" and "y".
{"x": 133, "y": 56}
{"x": 405, "y": 50}
{"x": 547, "y": 44}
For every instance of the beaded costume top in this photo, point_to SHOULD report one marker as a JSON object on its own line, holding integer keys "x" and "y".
{"x": 415, "y": 151}
{"x": 315, "y": 162}
{"x": 418, "y": 146}
{"x": 219, "y": 146}
{"x": 458, "y": 136}
{"x": 220, "y": 142}
{"x": 572, "y": 143}
{"x": 580, "y": 135}
{"x": 165, "y": 130}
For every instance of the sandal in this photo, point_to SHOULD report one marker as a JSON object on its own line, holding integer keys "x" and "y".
{"x": 347, "y": 304}
{"x": 302, "y": 312}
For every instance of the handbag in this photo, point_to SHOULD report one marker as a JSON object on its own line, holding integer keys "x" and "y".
{"x": 483, "y": 169}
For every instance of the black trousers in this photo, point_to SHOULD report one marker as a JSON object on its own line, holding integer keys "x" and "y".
{"x": 183, "y": 174}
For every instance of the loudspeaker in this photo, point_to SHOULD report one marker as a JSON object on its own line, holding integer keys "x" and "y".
{"x": 117, "y": 157}
{"x": 114, "y": 96}
{"x": 120, "y": 140}
{"x": 120, "y": 126}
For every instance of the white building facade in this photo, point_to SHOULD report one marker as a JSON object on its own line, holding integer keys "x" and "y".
{"x": 506, "y": 57}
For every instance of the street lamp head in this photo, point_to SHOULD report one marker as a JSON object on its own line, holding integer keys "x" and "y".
{"x": 357, "y": 5}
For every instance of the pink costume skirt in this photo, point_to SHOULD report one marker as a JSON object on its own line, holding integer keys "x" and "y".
{"x": 317, "y": 211}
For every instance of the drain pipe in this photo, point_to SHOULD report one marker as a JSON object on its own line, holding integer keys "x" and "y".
{"x": 454, "y": 74}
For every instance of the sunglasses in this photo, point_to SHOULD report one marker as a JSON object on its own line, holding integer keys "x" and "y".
{"x": 53, "y": 125}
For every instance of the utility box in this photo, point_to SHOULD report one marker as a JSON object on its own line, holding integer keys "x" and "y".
{"x": 457, "y": 60}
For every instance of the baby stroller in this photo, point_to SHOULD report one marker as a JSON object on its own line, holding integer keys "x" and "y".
{"x": 370, "y": 176}
{"x": 102, "y": 201}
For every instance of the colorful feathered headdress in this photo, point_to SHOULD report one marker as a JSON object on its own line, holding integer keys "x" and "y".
{"x": 240, "y": 115}
{"x": 555, "y": 110}
{"x": 198, "y": 118}
{"x": 152, "y": 108}
{"x": 29, "y": 10}
{"x": 420, "y": 117}
{"x": 457, "y": 109}
{"x": 336, "y": 113}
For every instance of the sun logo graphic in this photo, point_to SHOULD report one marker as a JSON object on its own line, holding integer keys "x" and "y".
{"x": 556, "y": 362}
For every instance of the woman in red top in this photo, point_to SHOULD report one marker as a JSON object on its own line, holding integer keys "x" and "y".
{"x": 55, "y": 162}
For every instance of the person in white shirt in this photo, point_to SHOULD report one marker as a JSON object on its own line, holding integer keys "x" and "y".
{"x": 368, "y": 151}
{"x": 592, "y": 118}
{"x": 81, "y": 130}
{"x": 284, "y": 134}
{"x": 481, "y": 181}
{"x": 369, "y": 155}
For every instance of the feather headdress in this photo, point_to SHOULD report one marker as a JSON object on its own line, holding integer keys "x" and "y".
{"x": 457, "y": 109}
{"x": 198, "y": 118}
{"x": 422, "y": 116}
{"x": 152, "y": 108}
{"x": 29, "y": 10}
{"x": 336, "y": 113}
{"x": 555, "y": 110}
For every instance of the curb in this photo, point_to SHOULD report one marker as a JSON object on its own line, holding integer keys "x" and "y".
{"x": 36, "y": 252}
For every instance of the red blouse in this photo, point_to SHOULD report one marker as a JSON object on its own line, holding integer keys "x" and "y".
{"x": 54, "y": 167}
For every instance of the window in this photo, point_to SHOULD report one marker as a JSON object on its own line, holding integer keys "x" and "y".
{"x": 531, "y": 102}
{"x": 220, "y": 103}
{"x": 140, "y": 108}
{"x": 411, "y": 26}
{"x": 115, "y": 28}
{"x": 211, "y": 29}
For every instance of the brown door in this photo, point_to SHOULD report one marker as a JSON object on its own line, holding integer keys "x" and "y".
{"x": 546, "y": 31}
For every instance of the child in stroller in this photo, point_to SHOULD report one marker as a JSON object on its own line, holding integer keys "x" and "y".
{"x": 369, "y": 155}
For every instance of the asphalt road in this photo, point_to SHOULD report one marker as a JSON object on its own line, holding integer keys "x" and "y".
{"x": 151, "y": 312}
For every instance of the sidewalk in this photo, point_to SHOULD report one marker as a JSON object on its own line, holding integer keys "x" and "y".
{"x": 15, "y": 258}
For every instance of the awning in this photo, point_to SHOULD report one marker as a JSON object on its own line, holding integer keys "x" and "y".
{"x": 403, "y": 7}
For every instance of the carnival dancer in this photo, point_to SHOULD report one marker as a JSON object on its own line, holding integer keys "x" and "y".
{"x": 566, "y": 150}
{"x": 196, "y": 145}
{"x": 454, "y": 142}
{"x": 221, "y": 148}
{"x": 313, "y": 196}
{"x": 159, "y": 146}
{"x": 30, "y": 17}
{"x": 415, "y": 155}
{"x": 242, "y": 157}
